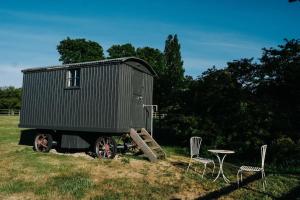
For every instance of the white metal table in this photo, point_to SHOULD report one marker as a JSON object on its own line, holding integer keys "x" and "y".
{"x": 224, "y": 152}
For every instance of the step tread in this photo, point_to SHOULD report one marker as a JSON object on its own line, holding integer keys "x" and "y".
{"x": 155, "y": 148}
{"x": 148, "y": 140}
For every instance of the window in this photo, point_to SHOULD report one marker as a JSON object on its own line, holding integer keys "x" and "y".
{"x": 73, "y": 78}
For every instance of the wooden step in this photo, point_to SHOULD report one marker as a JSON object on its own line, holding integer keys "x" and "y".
{"x": 154, "y": 143}
{"x": 142, "y": 133}
{"x": 155, "y": 148}
{"x": 148, "y": 140}
{"x": 152, "y": 152}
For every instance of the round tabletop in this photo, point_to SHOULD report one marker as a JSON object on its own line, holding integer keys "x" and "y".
{"x": 221, "y": 151}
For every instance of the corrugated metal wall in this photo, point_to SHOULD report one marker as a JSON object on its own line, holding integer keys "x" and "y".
{"x": 101, "y": 104}
{"x": 48, "y": 103}
{"x": 125, "y": 94}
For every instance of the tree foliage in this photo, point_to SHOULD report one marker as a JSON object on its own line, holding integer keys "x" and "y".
{"x": 79, "y": 50}
{"x": 173, "y": 76}
{"x": 10, "y": 98}
{"x": 154, "y": 57}
{"x": 245, "y": 105}
{"x": 124, "y": 50}
{"x": 174, "y": 64}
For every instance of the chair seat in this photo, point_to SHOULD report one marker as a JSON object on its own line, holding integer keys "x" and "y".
{"x": 203, "y": 160}
{"x": 250, "y": 168}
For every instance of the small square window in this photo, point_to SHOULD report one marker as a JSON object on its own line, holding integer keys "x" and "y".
{"x": 73, "y": 78}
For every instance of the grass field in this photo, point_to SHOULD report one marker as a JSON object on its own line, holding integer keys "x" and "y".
{"x": 25, "y": 174}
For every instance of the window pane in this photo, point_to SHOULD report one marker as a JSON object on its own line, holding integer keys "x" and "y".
{"x": 72, "y": 82}
{"x": 77, "y": 78}
{"x": 69, "y": 79}
{"x": 73, "y": 78}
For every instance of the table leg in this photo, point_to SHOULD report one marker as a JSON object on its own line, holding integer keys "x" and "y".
{"x": 224, "y": 177}
{"x": 221, "y": 169}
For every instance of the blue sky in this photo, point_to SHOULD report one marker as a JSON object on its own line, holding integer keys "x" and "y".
{"x": 211, "y": 32}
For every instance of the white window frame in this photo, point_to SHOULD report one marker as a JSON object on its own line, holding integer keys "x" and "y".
{"x": 73, "y": 80}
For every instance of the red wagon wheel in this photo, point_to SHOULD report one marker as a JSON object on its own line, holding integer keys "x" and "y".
{"x": 43, "y": 142}
{"x": 105, "y": 148}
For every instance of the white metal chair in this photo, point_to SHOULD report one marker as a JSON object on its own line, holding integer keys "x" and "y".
{"x": 195, "y": 143}
{"x": 255, "y": 169}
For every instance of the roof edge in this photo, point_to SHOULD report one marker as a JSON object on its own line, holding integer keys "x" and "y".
{"x": 141, "y": 61}
{"x": 115, "y": 60}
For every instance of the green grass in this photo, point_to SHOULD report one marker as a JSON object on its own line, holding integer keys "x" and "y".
{"x": 15, "y": 186}
{"x": 67, "y": 184}
{"x": 25, "y": 174}
{"x": 176, "y": 151}
{"x": 131, "y": 189}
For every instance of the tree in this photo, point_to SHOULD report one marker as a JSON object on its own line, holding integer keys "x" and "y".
{"x": 244, "y": 71}
{"x": 174, "y": 72}
{"x": 10, "y": 98}
{"x": 279, "y": 85}
{"x": 154, "y": 57}
{"x": 79, "y": 50}
{"x": 124, "y": 50}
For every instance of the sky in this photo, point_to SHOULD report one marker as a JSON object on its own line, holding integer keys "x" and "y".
{"x": 211, "y": 32}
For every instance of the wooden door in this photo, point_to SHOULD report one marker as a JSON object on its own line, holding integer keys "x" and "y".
{"x": 137, "y": 110}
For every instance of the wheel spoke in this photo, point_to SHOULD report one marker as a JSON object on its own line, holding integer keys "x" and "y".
{"x": 101, "y": 143}
{"x": 43, "y": 145}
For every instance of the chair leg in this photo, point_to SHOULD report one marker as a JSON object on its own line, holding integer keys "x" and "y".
{"x": 204, "y": 170}
{"x": 263, "y": 180}
{"x": 237, "y": 178}
{"x": 189, "y": 166}
{"x": 241, "y": 176}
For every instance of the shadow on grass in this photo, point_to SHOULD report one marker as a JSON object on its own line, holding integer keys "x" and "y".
{"x": 292, "y": 194}
{"x": 232, "y": 187}
{"x": 180, "y": 164}
{"x": 260, "y": 192}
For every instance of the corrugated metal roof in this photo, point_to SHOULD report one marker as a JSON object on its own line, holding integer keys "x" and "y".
{"x": 87, "y": 64}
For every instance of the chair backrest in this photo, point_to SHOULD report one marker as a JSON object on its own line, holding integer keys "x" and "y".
{"x": 195, "y": 143}
{"x": 263, "y": 150}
